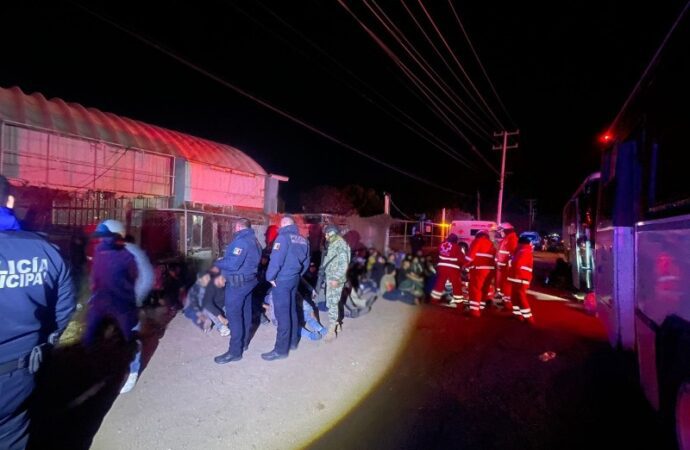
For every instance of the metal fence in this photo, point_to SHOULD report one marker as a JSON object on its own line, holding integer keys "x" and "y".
{"x": 402, "y": 230}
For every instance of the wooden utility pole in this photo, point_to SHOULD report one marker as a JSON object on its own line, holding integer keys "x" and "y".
{"x": 505, "y": 147}
{"x": 479, "y": 202}
{"x": 532, "y": 211}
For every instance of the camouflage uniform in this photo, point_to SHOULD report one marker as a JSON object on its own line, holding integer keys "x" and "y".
{"x": 336, "y": 261}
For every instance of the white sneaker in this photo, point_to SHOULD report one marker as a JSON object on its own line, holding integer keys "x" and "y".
{"x": 224, "y": 330}
{"x": 129, "y": 384}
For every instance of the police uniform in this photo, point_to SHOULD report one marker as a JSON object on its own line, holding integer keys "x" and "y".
{"x": 239, "y": 266}
{"x": 36, "y": 303}
{"x": 289, "y": 261}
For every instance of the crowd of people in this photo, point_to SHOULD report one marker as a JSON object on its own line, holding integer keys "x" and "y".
{"x": 277, "y": 285}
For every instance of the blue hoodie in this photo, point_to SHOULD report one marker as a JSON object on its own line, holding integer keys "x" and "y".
{"x": 114, "y": 275}
{"x": 7, "y": 219}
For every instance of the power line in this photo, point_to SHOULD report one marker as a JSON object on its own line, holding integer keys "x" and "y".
{"x": 417, "y": 83}
{"x": 399, "y": 210}
{"x": 476, "y": 55}
{"x": 439, "y": 144}
{"x": 420, "y": 85}
{"x": 443, "y": 58}
{"x": 262, "y": 102}
{"x": 655, "y": 58}
{"x": 417, "y": 57}
{"x": 452, "y": 54}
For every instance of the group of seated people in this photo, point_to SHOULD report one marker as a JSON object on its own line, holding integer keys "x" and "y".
{"x": 371, "y": 275}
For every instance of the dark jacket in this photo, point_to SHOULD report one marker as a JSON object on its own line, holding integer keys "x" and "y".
{"x": 36, "y": 291}
{"x": 114, "y": 275}
{"x": 242, "y": 255}
{"x": 289, "y": 256}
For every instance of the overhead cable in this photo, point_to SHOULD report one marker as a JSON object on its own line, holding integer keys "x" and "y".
{"x": 263, "y": 103}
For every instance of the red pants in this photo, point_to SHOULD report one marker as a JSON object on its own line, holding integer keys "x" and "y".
{"x": 451, "y": 274}
{"x": 520, "y": 304}
{"x": 480, "y": 287}
{"x": 502, "y": 283}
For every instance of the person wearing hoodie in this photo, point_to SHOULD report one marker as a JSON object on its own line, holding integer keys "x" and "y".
{"x": 37, "y": 302}
{"x": 113, "y": 292}
{"x": 289, "y": 261}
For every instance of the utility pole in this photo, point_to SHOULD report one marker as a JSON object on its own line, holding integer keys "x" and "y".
{"x": 479, "y": 202}
{"x": 505, "y": 148}
{"x": 387, "y": 211}
{"x": 532, "y": 211}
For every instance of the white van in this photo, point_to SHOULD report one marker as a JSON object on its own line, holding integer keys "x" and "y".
{"x": 465, "y": 230}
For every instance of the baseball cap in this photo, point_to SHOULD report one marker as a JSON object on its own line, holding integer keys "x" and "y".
{"x": 110, "y": 228}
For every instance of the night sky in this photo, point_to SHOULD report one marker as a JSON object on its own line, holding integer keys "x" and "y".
{"x": 562, "y": 69}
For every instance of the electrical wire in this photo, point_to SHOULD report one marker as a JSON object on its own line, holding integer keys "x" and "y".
{"x": 452, "y": 54}
{"x": 476, "y": 55}
{"x": 425, "y": 134}
{"x": 399, "y": 210}
{"x": 419, "y": 85}
{"x": 417, "y": 57}
{"x": 651, "y": 64}
{"x": 261, "y": 102}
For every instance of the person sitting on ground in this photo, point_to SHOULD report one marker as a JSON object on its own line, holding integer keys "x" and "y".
{"x": 197, "y": 299}
{"x": 412, "y": 281}
{"x": 213, "y": 302}
{"x": 378, "y": 270}
{"x": 387, "y": 283}
{"x": 311, "y": 328}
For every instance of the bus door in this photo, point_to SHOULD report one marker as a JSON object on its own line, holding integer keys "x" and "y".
{"x": 614, "y": 245}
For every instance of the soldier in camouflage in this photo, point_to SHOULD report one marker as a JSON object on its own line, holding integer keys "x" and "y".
{"x": 334, "y": 266}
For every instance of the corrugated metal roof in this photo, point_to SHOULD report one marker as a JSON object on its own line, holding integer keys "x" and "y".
{"x": 72, "y": 118}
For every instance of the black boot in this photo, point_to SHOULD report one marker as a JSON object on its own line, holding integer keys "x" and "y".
{"x": 226, "y": 358}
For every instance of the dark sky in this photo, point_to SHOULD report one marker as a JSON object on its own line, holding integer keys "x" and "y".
{"x": 562, "y": 69}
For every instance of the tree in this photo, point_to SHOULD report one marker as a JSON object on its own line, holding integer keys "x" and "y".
{"x": 327, "y": 200}
{"x": 366, "y": 201}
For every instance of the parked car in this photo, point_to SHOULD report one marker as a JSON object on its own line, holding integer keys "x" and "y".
{"x": 534, "y": 238}
{"x": 554, "y": 243}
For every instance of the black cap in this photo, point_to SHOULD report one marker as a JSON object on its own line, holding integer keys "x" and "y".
{"x": 331, "y": 229}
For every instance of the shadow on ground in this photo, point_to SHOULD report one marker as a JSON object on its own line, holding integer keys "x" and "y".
{"x": 480, "y": 384}
{"x": 77, "y": 386}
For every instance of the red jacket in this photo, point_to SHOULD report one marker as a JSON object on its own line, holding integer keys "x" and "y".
{"x": 506, "y": 249}
{"x": 449, "y": 255}
{"x": 482, "y": 254}
{"x": 521, "y": 266}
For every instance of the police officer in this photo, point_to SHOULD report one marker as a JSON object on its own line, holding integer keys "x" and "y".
{"x": 36, "y": 303}
{"x": 289, "y": 261}
{"x": 239, "y": 266}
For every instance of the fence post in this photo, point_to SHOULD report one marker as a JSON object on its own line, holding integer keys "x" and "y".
{"x": 405, "y": 238}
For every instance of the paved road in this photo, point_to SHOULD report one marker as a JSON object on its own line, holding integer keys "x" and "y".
{"x": 410, "y": 377}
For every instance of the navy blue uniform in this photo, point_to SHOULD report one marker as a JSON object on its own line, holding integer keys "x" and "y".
{"x": 289, "y": 261}
{"x": 239, "y": 267}
{"x": 36, "y": 300}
